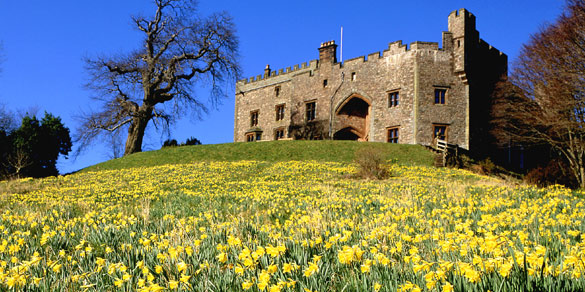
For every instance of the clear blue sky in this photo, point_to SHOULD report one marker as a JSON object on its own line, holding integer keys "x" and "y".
{"x": 46, "y": 41}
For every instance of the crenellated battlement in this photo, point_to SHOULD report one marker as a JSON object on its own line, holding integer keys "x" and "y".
{"x": 394, "y": 48}
{"x": 303, "y": 67}
{"x": 483, "y": 45}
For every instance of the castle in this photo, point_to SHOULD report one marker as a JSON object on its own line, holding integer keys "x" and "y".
{"x": 407, "y": 94}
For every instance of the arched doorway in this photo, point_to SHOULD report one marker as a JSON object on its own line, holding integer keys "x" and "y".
{"x": 348, "y": 133}
{"x": 352, "y": 117}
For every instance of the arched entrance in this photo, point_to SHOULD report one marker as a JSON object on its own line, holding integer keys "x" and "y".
{"x": 348, "y": 133}
{"x": 352, "y": 118}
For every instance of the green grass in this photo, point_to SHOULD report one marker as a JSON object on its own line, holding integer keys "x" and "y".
{"x": 272, "y": 151}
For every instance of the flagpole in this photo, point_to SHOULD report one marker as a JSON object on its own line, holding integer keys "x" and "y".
{"x": 341, "y": 50}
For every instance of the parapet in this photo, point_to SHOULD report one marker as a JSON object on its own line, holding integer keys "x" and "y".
{"x": 311, "y": 65}
{"x": 424, "y": 46}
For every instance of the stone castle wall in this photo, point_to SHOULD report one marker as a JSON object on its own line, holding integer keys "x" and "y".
{"x": 352, "y": 96}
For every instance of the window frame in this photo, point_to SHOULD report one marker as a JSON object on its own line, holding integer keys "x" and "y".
{"x": 276, "y": 131}
{"x": 393, "y": 98}
{"x": 280, "y": 114}
{"x": 254, "y": 117}
{"x": 395, "y": 130}
{"x": 250, "y": 137}
{"x": 310, "y": 117}
{"x": 438, "y": 98}
{"x": 445, "y": 134}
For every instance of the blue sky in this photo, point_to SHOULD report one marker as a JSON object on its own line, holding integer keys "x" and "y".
{"x": 45, "y": 43}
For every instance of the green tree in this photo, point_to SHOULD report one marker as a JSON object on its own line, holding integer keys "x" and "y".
{"x": 36, "y": 145}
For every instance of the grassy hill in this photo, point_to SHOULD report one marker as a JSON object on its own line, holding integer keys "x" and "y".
{"x": 286, "y": 216}
{"x": 271, "y": 151}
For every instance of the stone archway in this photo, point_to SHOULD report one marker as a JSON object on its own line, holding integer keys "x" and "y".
{"x": 352, "y": 118}
{"x": 347, "y": 133}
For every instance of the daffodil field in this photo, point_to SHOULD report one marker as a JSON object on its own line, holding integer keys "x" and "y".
{"x": 288, "y": 226}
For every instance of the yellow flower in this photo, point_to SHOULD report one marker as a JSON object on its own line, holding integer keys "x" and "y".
{"x": 57, "y": 268}
{"x": 126, "y": 277}
{"x": 181, "y": 267}
{"x": 272, "y": 269}
{"x": 184, "y": 279}
{"x": 247, "y": 285}
{"x": 262, "y": 285}
{"x": 275, "y": 288}
{"x": 287, "y": 268}
{"x": 222, "y": 257}
{"x": 365, "y": 268}
{"x": 118, "y": 282}
{"x": 447, "y": 287}
{"x": 158, "y": 269}
{"x": 377, "y": 286}
{"x": 311, "y": 269}
{"x": 173, "y": 284}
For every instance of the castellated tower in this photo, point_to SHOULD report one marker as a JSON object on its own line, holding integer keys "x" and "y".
{"x": 413, "y": 94}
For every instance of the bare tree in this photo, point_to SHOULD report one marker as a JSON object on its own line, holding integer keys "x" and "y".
{"x": 156, "y": 82}
{"x": 17, "y": 161}
{"x": 544, "y": 100}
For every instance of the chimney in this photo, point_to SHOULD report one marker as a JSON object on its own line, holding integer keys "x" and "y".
{"x": 328, "y": 52}
{"x": 267, "y": 71}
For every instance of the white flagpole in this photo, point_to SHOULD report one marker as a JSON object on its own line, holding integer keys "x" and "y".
{"x": 341, "y": 50}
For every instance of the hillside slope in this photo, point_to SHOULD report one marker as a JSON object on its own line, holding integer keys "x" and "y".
{"x": 272, "y": 151}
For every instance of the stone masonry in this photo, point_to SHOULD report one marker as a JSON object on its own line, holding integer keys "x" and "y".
{"x": 406, "y": 94}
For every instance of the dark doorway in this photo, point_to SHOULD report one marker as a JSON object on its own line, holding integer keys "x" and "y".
{"x": 352, "y": 118}
{"x": 346, "y": 134}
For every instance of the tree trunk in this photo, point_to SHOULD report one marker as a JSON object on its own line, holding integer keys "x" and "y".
{"x": 136, "y": 134}
{"x": 581, "y": 177}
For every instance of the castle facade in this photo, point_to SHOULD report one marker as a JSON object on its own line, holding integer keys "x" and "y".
{"x": 412, "y": 94}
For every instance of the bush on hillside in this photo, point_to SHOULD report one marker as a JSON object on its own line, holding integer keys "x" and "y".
{"x": 371, "y": 163}
{"x": 192, "y": 141}
{"x": 170, "y": 143}
{"x": 555, "y": 172}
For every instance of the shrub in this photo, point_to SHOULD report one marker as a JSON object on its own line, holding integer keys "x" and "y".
{"x": 170, "y": 143}
{"x": 192, "y": 141}
{"x": 371, "y": 163}
{"x": 555, "y": 172}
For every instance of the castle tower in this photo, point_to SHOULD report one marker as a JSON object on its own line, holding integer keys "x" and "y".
{"x": 464, "y": 35}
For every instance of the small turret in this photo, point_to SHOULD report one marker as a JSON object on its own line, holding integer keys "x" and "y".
{"x": 463, "y": 35}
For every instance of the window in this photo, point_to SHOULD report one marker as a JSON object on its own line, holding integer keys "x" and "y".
{"x": 393, "y": 135}
{"x": 277, "y": 90}
{"x": 278, "y": 134}
{"x": 310, "y": 115}
{"x": 280, "y": 112}
{"x": 324, "y": 82}
{"x": 393, "y": 99}
{"x": 250, "y": 137}
{"x": 258, "y": 136}
{"x": 440, "y": 132}
{"x": 440, "y": 95}
{"x": 353, "y": 76}
{"x": 254, "y": 119}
